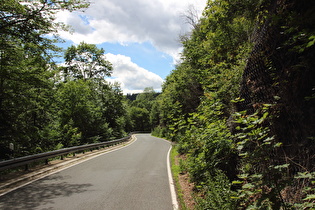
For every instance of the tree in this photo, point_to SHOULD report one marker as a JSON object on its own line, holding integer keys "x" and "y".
{"x": 140, "y": 119}
{"x": 145, "y": 99}
{"x": 80, "y": 107}
{"x": 25, "y": 96}
{"x": 30, "y": 20}
{"x": 26, "y": 88}
{"x": 86, "y": 61}
{"x": 140, "y": 110}
{"x": 112, "y": 106}
{"x": 255, "y": 121}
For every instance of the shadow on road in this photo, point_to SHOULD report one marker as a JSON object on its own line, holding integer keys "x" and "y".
{"x": 40, "y": 193}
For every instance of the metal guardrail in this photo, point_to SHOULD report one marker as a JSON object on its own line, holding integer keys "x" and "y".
{"x": 12, "y": 163}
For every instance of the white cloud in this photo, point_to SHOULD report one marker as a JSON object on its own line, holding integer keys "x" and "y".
{"x": 132, "y": 78}
{"x": 159, "y": 22}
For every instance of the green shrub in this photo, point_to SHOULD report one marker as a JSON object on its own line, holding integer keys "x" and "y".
{"x": 217, "y": 194}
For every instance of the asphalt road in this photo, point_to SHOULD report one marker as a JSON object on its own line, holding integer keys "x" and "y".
{"x": 133, "y": 177}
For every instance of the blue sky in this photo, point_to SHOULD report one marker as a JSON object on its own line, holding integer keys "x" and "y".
{"x": 143, "y": 54}
{"x": 140, "y": 37}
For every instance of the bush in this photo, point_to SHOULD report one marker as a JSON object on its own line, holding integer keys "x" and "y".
{"x": 217, "y": 193}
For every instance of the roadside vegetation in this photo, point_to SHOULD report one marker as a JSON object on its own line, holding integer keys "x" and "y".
{"x": 239, "y": 104}
{"x": 176, "y": 171}
{"x": 45, "y": 106}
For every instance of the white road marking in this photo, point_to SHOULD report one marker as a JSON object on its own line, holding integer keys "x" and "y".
{"x": 171, "y": 181}
{"x": 64, "y": 168}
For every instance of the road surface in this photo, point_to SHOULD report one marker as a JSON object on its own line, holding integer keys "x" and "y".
{"x": 133, "y": 177}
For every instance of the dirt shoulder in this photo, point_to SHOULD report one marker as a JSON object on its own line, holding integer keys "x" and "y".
{"x": 185, "y": 189}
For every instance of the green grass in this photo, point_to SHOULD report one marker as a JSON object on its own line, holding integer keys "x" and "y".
{"x": 176, "y": 171}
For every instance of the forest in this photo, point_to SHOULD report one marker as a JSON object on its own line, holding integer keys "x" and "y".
{"x": 239, "y": 105}
{"x": 46, "y": 106}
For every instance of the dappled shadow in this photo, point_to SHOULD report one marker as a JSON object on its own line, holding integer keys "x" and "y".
{"x": 40, "y": 193}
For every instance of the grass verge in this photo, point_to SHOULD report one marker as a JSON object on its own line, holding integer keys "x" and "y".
{"x": 176, "y": 171}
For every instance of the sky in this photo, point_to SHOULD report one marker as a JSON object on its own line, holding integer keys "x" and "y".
{"x": 140, "y": 37}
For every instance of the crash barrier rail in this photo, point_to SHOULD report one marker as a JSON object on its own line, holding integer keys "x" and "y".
{"x": 26, "y": 160}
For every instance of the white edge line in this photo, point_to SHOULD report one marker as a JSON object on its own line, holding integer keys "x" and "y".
{"x": 171, "y": 181}
{"x": 58, "y": 170}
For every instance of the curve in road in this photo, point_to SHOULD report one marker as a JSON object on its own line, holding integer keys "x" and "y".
{"x": 133, "y": 177}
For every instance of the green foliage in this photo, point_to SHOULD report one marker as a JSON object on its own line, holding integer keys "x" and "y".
{"x": 182, "y": 87}
{"x": 30, "y": 21}
{"x": 250, "y": 142}
{"x": 140, "y": 118}
{"x": 70, "y": 135}
{"x": 40, "y": 109}
{"x": 143, "y": 113}
{"x": 195, "y": 101}
{"x": 217, "y": 194}
{"x": 24, "y": 95}
{"x": 86, "y": 61}
{"x": 161, "y": 132}
{"x": 261, "y": 181}
{"x": 95, "y": 109}
{"x": 308, "y": 190}
{"x": 210, "y": 148}
{"x": 176, "y": 171}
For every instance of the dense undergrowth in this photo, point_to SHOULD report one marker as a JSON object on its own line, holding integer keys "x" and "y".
{"x": 240, "y": 105}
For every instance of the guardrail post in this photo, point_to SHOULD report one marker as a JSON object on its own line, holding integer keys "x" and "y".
{"x": 26, "y": 167}
{"x": 46, "y": 162}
